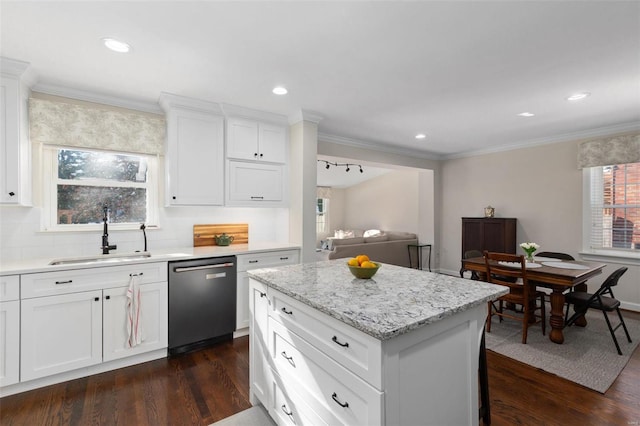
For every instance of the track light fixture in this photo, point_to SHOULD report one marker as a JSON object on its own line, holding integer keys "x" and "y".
{"x": 329, "y": 164}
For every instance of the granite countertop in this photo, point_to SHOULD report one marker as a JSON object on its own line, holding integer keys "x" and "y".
{"x": 395, "y": 301}
{"x": 161, "y": 255}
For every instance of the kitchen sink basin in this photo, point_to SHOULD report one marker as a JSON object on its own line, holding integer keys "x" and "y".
{"x": 105, "y": 258}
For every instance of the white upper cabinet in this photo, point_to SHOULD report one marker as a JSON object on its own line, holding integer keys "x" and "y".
{"x": 257, "y": 141}
{"x": 194, "y": 152}
{"x": 15, "y": 151}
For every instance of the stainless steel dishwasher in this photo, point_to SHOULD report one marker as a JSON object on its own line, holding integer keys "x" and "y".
{"x": 202, "y": 302}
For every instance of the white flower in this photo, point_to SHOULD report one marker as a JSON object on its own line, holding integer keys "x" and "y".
{"x": 529, "y": 246}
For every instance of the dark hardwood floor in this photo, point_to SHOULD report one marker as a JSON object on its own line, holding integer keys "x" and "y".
{"x": 202, "y": 387}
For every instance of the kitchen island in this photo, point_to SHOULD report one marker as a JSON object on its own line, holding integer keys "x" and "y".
{"x": 399, "y": 349}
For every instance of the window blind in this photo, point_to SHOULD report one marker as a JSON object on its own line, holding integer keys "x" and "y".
{"x": 615, "y": 207}
{"x": 87, "y": 125}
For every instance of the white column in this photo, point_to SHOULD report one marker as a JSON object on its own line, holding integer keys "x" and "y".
{"x": 303, "y": 182}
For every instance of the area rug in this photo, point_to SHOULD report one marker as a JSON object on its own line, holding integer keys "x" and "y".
{"x": 588, "y": 355}
{"x": 254, "y": 416}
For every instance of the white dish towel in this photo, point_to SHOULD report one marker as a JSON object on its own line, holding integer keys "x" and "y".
{"x": 135, "y": 330}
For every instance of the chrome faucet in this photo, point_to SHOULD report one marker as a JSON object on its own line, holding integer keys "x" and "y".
{"x": 105, "y": 234}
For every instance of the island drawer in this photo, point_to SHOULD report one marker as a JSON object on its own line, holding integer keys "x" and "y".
{"x": 336, "y": 394}
{"x": 75, "y": 280}
{"x": 263, "y": 260}
{"x": 355, "y": 350}
{"x": 290, "y": 409}
{"x": 9, "y": 288}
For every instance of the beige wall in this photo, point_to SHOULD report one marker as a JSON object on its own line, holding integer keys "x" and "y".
{"x": 388, "y": 202}
{"x": 540, "y": 186}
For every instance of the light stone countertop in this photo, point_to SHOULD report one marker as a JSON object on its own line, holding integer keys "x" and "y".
{"x": 160, "y": 255}
{"x": 395, "y": 301}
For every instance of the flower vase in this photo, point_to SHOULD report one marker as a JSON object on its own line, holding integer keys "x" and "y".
{"x": 529, "y": 257}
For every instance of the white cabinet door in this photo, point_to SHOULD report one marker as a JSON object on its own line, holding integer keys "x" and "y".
{"x": 154, "y": 312}
{"x": 15, "y": 152}
{"x": 242, "y": 139}
{"x": 260, "y": 376}
{"x": 252, "y": 140}
{"x": 60, "y": 333}
{"x": 272, "y": 142}
{"x": 195, "y": 157}
{"x": 9, "y": 342}
{"x": 254, "y": 183}
{"x": 242, "y": 301}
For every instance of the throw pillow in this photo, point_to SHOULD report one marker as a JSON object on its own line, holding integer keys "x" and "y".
{"x": 372, "y": 233}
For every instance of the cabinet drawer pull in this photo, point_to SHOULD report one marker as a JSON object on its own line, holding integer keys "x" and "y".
{"x": 96, "y": 299}
{"x": 108, "y": 297}
{"x": 342, "y": 404}
{"x": 257, "y": 198}
{"x": 254, "y": 261}
{"x": 288, "y": 358}
{"x": 288, "y": 413}
{"x": 284, "y": 258}
{"x": 344, "y": 345}
{"x": 64, "y": 282}
{"x": 11, "y": 194}
{"x": 287, "y": 312}
{"x": 136, "y": 275}
{"x": 262, "y": 294}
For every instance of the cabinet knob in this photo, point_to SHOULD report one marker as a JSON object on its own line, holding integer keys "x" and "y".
{"x": 97, "y": 299}
{"x": 260, "y": 155}
{"x": 108, "y": 297}
{"x": 255, "y": 154}
{"x": 11, "y": 194}
{"x": 174, "y": 197}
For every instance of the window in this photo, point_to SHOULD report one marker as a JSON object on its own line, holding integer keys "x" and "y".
{"x": 614, "y": 217}
{"x": 79, "y": 183}
{"x": 322, "y": 215}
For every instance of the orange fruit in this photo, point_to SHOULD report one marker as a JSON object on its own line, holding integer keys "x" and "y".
{"x": 362, "y": 258}
{"x": 353, "y": 262}
{"x": 368, "y": 264}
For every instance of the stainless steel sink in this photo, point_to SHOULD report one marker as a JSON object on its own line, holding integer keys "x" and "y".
{"x": 106, "y": 258}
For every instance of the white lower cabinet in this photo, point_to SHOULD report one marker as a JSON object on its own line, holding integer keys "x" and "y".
{"x": 319, "y": 370}
{"x": 78, "y": 318}
{"x": 247, "y": 262}
{"x": 60, "y": 333}
{"x": 154, "y": 321}
{"x": 9, "y": 342}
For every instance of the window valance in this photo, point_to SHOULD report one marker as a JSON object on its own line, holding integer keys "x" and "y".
{"x": 323, "y": 192}
{"x": 86, "y": 125}
{"x": 607, "y": 151}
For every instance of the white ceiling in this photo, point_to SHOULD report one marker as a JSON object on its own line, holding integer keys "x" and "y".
{"x": 377, "y": 72}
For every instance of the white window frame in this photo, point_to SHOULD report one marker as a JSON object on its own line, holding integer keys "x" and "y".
{"x": 623, "y": 256}
{"x": 49, "y": 217}
{"x": 325, "y": 214}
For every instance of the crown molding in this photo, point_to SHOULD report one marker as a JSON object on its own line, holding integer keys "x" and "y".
{"x": 340, "y": 140}
{"x": 253, "y": 114}
{"x": 99, "y": 98}
{"x": 585, "y": 134}
{"x": 170, "y": 101}
{"x": 303, "y": 115}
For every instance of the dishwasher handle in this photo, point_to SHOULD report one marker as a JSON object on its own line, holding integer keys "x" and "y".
{"x": 198, "y": 268}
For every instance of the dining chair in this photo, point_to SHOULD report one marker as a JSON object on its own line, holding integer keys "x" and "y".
{"x": 502, "y": 269}
{"x": 602, "y": 300}
{"x": 555, "y": 255}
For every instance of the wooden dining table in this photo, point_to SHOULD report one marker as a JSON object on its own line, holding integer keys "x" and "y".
{"x": 557, "y": 279}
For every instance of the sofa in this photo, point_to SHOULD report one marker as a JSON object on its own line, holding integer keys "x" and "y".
{"x": 381, "y": 246}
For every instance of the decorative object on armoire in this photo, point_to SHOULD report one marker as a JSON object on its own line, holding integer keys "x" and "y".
{"x": 489, "y": 211}
{"x": 529, "y": 248}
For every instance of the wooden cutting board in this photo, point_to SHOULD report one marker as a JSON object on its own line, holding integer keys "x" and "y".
{"x": 203, "y": 235}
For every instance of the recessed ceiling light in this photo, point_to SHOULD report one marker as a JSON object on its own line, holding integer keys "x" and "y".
{"x": 116, "y": 45}
{"x": 421, "y": 136}
{"x": 526, "y": 114}
{"x": 578, "y": 96}
{"x": 279, "y": 90}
